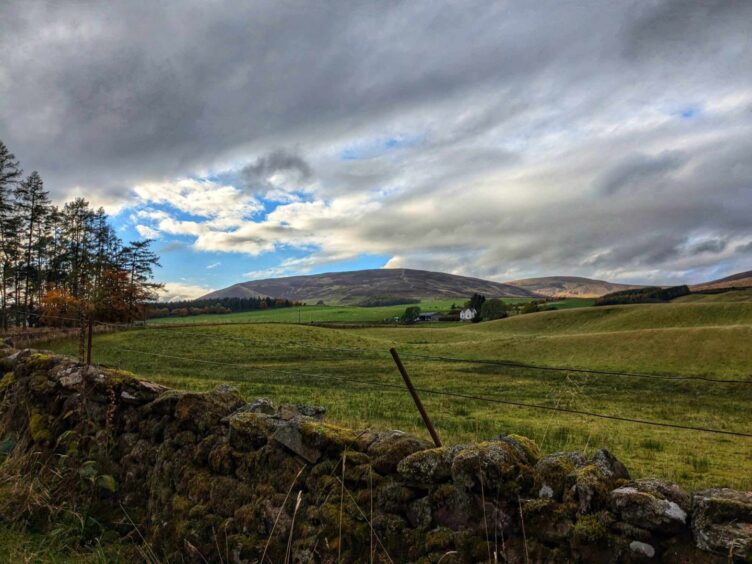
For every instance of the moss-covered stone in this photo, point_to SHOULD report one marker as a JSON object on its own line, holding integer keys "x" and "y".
{"x": 391, "y": 447}
{"x": 646, "y": 509}
{"x": 553, "y": 472}
{"x": 722, "y": 522}
{"x": 326, "y": 436}
{"x": 200, "y": 412}
{"x": 532, "y": 450}
{"x": 441, "y": 538}
{"x": 7, "y": 380}
{"x": 590, "y": 529}
{"x": 429, "y": 466}
{"x": 490, "y": 463}
{"x": 38, "y": 427}
{"x": 591, "y": 488}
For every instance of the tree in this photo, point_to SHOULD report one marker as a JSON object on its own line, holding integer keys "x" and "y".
{"x": 64, "y": 262}
{"x": 494, "y": 309}
{"x": 10, "y": 173}
{"x": 411, "y": 314}
{"x": 530, "y": 307}
{"x": 139, "y": 261}
{"x": 476, "y": 303}
{"x": 32, "y": 206}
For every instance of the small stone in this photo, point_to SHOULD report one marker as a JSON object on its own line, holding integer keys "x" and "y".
{"x": 644, "y": 509}
{"x": 260, "y": 405}
{"x": 71, "y": 381}
{"x": 642, "y": 548}
{"x": 432, "y": 465}
{"x": 722, "y": 522}
{"x": 128, "y": 398}
{"x": 546, "y": 492}
{"x": 610, "y": 466}
{"x": 290, "y": 436}
{"x": 552, "y": 472}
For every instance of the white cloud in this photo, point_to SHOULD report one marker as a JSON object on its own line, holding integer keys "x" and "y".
{"x": 177, "y": 291}
{"x": 147, "y": 232}
{"x": 213, "y": 265}
{"x": 224, "y": 204}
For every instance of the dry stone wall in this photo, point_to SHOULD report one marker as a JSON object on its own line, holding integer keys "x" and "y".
{"x": 210, "y": 477}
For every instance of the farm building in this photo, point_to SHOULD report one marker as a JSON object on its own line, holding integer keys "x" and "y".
{"x": 428, "y": 316}
{"x": 468, "y": 314}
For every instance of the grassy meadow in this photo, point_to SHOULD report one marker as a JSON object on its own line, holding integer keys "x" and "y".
{"x": 342, "y": 313}
{"x": 340, "y": 368}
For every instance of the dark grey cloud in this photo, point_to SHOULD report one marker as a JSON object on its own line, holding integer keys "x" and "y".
{"x": 256, "y": 176}
{"x": 710, "y": 246}
{"x": 636, "y": 170}
{"x": 610, "y": 138}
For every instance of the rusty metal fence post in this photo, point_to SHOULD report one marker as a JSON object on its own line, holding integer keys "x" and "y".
{"x": 88, "y": 341}
{"x": 416, "y": 398}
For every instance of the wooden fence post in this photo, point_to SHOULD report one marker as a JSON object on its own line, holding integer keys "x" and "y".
{"x": 88, "y": 341}
{"x": 416, "y": 398}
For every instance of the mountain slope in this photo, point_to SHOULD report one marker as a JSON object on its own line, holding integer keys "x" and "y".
{"x": 356, "y": 286}
{"x": 569, "y": 286}
{"x": 739, "y": 280}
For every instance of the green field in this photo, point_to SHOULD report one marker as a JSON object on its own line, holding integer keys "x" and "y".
{"x": 730, "y": 296}
{"x": 342, "y": 314}
{"x": 334, "y": 366}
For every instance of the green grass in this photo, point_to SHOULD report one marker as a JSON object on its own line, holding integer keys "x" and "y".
{"x": 18, "y": 546}
{"x": 302, "y": 363}
{"x": 570, "y": 303}
{"x": 312, "y": 314}
{"x": 329, "y": 313}
{"x": 730, "y": 296}
{"x": 343, "y": 313}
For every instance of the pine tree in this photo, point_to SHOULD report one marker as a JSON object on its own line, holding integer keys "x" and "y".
{"x": 10, "y": 173}
{"x": 65, "y": 262}
{"x": 139, "y": 261}
{"x": 32, "y": 207}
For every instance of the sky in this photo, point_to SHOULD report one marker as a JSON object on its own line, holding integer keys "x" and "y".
{"x": 498, "y": 139}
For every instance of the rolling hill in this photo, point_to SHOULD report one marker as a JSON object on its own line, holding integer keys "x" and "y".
{"x": 357, "y": 286}
{"x": 569, "y": 286}
{"x": 740, "y": 280}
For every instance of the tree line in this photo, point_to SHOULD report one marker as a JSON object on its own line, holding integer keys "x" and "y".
{"x": 185, "y": 308}
{"x": 62, "y": 264}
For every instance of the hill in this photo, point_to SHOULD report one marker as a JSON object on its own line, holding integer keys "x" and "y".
{"x": 739, "y": 280}
{"x": 359, "y": 286}
{"x": 743, "y": 295}
{"x": 569, "y": 286}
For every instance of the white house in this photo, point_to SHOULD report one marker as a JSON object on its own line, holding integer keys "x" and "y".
{"x": 468, "y": 314}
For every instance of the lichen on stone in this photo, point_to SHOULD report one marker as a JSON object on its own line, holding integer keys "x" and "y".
{"x": 7, "y": 380}
{"x": 38, "y": 427}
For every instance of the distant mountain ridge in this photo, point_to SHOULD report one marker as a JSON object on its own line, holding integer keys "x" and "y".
{"x": 570, "y": 286}
{"x": 356, "y": 286}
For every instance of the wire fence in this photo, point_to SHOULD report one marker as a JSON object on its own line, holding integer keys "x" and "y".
{"x": 371, "y": 353}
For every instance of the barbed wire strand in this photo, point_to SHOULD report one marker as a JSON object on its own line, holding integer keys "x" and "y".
{"x": 485, "y": 399}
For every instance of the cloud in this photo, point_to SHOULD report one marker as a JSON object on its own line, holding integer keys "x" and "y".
{"x": 213, "y": 265}
{"x": 714, "y": 246}
{"x": 177, "y": 291}
{"x": 638, "y": 170}
{"x": 618, "y": 153}
{"x": 147, "y": 232}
